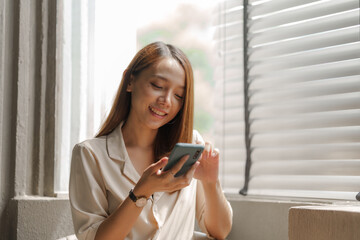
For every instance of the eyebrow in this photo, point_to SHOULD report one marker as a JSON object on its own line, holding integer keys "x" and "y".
{"x": 163, "y": 78}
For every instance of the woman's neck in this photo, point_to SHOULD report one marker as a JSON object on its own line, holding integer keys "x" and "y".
{"x": 138, "y": 136}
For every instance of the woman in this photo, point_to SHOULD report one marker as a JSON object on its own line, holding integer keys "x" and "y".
{"x": 117, "y": 187}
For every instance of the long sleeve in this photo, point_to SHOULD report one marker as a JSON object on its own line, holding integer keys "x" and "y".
{"x": 87, "y": 193}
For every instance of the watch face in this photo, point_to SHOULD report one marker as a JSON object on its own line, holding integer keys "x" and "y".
{"x": 141, "y": 202}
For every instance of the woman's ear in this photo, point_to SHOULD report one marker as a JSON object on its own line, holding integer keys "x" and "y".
{"x": 129, "y": 87}
{"x": 130, "y": 84}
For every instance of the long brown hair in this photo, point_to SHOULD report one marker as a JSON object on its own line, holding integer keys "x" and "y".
{"x": 181, "y": 127}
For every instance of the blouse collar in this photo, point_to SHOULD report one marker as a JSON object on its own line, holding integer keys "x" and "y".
{"x": 117, "y": 150}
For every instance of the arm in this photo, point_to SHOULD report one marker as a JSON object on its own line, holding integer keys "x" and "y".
{"x": 119, "y": 224}
{"x": 217, "y": 213}
{"x": 87, "y": 193}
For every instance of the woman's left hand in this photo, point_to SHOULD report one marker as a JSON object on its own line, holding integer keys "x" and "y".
{"x": 208, "y": 170}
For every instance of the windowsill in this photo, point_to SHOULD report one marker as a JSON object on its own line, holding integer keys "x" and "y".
{"x": 238, "y": 197}
{"x": 42, "y": 198}
{"x": 233, "y": 196}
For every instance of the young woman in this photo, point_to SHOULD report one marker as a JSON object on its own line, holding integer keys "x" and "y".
{"x": 117, "y": 187}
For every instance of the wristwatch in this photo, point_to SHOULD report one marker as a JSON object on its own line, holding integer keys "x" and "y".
{"x": 139, "y": 201}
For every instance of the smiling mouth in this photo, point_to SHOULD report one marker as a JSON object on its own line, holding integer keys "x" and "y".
{"x": 157, "y": 112}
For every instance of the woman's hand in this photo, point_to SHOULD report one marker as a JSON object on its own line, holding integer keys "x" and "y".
{"x": 208, "y": 169}
{"x": 155, "y": 180}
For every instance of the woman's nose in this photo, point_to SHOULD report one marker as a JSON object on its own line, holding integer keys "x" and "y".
{"x": 165, "y": 99}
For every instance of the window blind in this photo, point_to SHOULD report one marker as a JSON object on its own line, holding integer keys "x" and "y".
{"x": 304, "y": 98}
{"x": 229, "y": 126}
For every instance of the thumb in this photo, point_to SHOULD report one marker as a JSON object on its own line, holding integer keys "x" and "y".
{"x": 160, "y": 164}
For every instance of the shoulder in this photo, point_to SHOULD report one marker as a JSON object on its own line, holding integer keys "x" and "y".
{"x": 92, "y": 145}
{"x": 93, "y": 142}
{"x": 197, "y": 138}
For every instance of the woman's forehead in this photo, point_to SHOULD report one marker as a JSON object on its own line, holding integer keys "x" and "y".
{"x": 168, "y": 64}
{"x": 168, "y": 69}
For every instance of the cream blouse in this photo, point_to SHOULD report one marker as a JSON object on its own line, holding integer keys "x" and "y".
{"x": 101, "y": 177}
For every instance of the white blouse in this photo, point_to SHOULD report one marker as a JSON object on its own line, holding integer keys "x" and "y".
{"x": 101, "y": 177}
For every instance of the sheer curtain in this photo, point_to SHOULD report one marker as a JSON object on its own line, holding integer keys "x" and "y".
{"x": 95, "y": 52}
{"x": 229, "y": 74}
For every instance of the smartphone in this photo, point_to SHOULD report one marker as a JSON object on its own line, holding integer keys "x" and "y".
{"x": 181, "y": 149}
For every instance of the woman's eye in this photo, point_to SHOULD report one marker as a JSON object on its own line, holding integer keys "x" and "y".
{"x": 155, "y": 86}
{"x": 179, "y": 97}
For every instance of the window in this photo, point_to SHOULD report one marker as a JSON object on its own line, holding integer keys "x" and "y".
{"x": 287, "y": 89}
{"x": 95, "y": 52}
{"x": 299, "y": 70}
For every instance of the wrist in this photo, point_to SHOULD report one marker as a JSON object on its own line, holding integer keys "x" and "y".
{"x": 140, "y": 201}
{"x": 211, "y": 186}
{"x": 140, "y": 191}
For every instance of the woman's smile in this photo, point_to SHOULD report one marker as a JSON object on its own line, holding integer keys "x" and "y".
{"x": 157, "y": 112}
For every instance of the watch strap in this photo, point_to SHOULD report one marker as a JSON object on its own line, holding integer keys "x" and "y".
{"x": 132, "y": 196}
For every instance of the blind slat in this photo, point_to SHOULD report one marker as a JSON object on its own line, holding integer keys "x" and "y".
{"x": 235, "y": 155}
{"x": 305, "y": 43}
{"x": 307, "y": 121}
{"x": 314, "y": 151}
{"x": 306, "y": 137}
{"x": 308, "y": 27}
{"x": 261, "y": 20}
{"x": 306, "y": 89}
{"x": 307, "y": 73}
{"x": 293, "y": 108}
{"x": 307, "y": 58}
{"x": 343, "y": 167}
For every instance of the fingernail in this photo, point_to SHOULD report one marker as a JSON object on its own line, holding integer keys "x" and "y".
{"x": 207, "y": 147}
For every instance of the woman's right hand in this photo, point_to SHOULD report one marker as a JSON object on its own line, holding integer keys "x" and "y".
{"x": 155, "y": 180}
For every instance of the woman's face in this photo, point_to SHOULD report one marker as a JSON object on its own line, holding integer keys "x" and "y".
{"x": 157, "y": 94}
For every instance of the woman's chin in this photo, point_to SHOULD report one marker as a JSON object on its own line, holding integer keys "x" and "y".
{"x": 156, "y": 124}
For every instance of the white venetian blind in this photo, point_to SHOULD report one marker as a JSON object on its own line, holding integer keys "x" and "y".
{"x": 304, "y": 98}
{"x": 229, "y": 73}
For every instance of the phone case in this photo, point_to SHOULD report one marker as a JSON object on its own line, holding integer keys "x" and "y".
{"x": 180, "y": 150}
